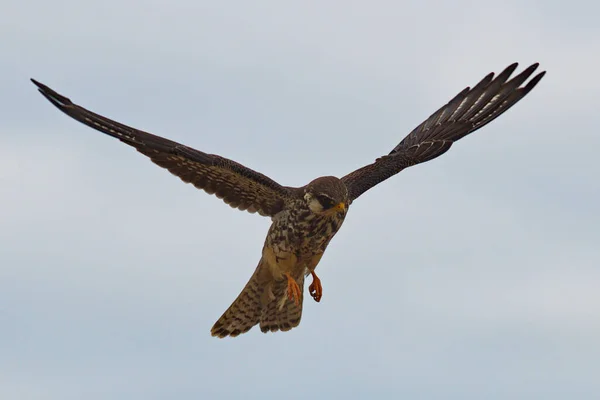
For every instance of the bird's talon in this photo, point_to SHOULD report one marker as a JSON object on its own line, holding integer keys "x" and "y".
{"x": 293, "y": 290}
{"x": 315, "y": 289}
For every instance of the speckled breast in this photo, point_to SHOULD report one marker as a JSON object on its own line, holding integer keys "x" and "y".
{"x": 301, "y": 232}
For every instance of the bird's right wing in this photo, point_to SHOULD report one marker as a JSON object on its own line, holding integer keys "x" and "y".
{"x": 237, "y": 185}
{"x": 468, "y": 111}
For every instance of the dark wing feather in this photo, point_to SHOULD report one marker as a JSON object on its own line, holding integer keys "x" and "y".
{"x": 470, "y": 110}
{"x": 238, "y": 186}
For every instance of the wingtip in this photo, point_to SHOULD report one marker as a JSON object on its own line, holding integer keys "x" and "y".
{"x": 510, "y": 69}
{"x": 534, "y": 81}
{"x": 41, "y": 87}
{"x": 532, "y": 67}
{"x": 52, "y": 96}
{"x": 535, "y": 65}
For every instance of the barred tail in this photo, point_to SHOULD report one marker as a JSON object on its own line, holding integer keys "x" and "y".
{"x": 245, "y": 311}
{"x": 263, "y": 300}
{"x": 282, "y": 314}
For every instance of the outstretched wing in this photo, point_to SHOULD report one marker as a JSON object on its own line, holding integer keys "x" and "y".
{"x": 470, "y": 110}
{"x": 238, "y": 186}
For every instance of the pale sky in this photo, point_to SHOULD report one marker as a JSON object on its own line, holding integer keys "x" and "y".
{"x": 473, "y": 276}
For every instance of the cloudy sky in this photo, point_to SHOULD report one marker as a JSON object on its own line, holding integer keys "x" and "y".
{"x": 474, "y": 276}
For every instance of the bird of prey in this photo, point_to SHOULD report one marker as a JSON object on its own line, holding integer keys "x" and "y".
{"x": 304, "y": 219}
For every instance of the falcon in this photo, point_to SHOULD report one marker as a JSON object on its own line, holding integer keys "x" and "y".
{"x": 304, "y": 219}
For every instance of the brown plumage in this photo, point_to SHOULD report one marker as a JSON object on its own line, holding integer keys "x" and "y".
{"x": 252, "y": 307}
{"x": 305, "y": 219}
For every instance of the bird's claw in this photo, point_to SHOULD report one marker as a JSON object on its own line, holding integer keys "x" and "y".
{"x": 316, "y": 289}
{"x": 293, "y": 290}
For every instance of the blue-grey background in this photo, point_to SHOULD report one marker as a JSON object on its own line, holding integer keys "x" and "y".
{"x": 474, "y": 276}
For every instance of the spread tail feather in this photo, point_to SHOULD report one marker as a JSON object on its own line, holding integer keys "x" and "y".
{"x": 245, "y": 311}
{"x": 263, "y": 301}
{"x": 282, "y": 314}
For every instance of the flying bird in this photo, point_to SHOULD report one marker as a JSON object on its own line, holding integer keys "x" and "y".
{"x": 304, "y": 219}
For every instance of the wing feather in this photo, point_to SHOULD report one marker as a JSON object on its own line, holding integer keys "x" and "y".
{"x": 235, "y": 184}
{"x": 469, "y": 110}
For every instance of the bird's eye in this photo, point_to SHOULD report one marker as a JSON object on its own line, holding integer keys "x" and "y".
{"x": 325, "y": 201}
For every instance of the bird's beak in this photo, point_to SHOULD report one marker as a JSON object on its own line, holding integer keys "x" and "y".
{"x": 340, "y": 207}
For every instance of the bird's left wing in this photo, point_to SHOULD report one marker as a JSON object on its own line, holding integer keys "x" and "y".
{"x": 468, "y": 111}
{"x": 237, "y": 185}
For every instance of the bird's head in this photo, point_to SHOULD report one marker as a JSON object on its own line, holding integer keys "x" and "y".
{"x": 326, "y": 195}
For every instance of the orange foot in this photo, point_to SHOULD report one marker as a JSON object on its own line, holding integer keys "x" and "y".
{"x": 315, "y": 289}
{"x": 293, "y": 290}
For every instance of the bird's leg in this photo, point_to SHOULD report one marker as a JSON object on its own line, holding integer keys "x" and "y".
{"x": 315, "y": 289}
{"x": 293, "y": 290}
